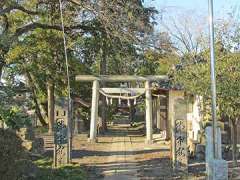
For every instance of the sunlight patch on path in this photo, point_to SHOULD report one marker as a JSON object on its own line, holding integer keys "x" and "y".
{"x": 122, "y": 168}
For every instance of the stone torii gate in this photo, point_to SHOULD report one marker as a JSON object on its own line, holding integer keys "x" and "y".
{"x": 120, "y": 78}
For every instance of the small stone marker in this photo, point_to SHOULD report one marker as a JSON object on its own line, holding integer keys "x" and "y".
{"x": 61, "y": 135}
{"x": 180, "y": 151}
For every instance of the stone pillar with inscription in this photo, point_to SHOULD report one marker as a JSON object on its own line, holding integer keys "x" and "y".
{"x": 179, "y": 136}
{"x": 170, "y": 122}
{"x": 62, "y": 144}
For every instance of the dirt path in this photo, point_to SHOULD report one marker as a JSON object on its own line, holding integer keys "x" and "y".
{"x": 122, "y": 154}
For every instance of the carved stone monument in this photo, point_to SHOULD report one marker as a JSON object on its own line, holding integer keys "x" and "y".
{"x": 61, "y": 133}
{"x": 179, "y": 138}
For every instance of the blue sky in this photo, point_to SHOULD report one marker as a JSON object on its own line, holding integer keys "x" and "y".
{"x": 197, "y": 9}
{"x": 221, "y": 7}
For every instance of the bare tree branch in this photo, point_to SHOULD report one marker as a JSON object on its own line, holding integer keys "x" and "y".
{"x": 17, "y": 7}
{"x": 35, "y": 25}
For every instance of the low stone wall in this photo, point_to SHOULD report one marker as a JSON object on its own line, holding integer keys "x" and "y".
{"x": 15, "y": 162}
{"x": 29, "y": 141}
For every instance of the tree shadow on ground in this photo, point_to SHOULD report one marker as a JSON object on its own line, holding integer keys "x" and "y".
{"x": 159, "y": 169}
{"x": 85, "y": 153}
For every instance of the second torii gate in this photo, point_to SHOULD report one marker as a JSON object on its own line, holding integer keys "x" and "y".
{"x": 118, "y": 78}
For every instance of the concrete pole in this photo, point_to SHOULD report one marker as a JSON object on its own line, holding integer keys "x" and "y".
{"x": 209, "y": 144}
{"x": 213, "y": 78}
{"x": 148, "y": 112}
{"x": 215, "y": 168}
{"x": 158, "y": 114}
{"x": 94, "y": 111}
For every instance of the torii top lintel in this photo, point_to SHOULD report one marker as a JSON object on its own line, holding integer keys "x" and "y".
{"x": 119, "y": 78}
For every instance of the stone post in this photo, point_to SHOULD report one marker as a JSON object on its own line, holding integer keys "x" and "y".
{"x": 179, "y": 136}
{"x": 94, "y": 112}
{"x": 62, "y": 136}
{"x": 217, "y": 169}
{"x": 170, "y": 122}
{"x": 155, "y": 113}
{"x": 75, "y": 131}
{"x": 158, "y": 114}
{"x": 148, "y": 112}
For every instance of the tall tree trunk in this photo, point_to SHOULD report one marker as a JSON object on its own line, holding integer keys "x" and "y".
{"x": 50, "y": 89}
{"x": 34, "y": 95}
{"x": 103, "y": 71}
{"x": 1, "y": 70}
{"x": 234, "y": 142}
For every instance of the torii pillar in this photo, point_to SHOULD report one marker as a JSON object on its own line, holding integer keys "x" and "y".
{"x": 94, "y": 112}
{"x": 159, "y": 114}
{"x": 148, "y": 113}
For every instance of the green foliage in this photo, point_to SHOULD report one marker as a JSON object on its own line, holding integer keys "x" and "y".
{"x": 70, "y": 172}
{"x": 159, "y": 55}
{"x": 16, "y": 163}
{"x": 11, "y": 155}
{"x": 195, "y": 79}
{"x": 156, "y": 62}
{"x": 14, "y": 117}
{"x": 106, "y": 30}
{"x": 10, "y": 112}
{"x": 102, "y": 38}
{"x": 41, "y": 130}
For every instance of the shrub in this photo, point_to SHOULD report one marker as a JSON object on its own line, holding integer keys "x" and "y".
{"x": 14, "y": 160}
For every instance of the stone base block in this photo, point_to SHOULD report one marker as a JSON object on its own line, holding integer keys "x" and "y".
{"x": 148, "y": 141}
{"x": 38, "y": 146}
{"x": 92, "y": 141}
{"x": 61, "y": 155}
{"x": 28, "y": 145}
{"x": 217, "y": 169}
{"x": 26, "y": 134}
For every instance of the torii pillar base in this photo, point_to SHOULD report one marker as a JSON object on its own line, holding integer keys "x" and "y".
{"x": 92, "y": 141}
{"x": 148, "y": 141}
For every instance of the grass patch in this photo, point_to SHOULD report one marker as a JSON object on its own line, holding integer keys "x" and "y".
{"x": 69, "y": 172}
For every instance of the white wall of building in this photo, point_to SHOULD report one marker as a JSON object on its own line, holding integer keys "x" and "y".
{"x": 194, "y": 116}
